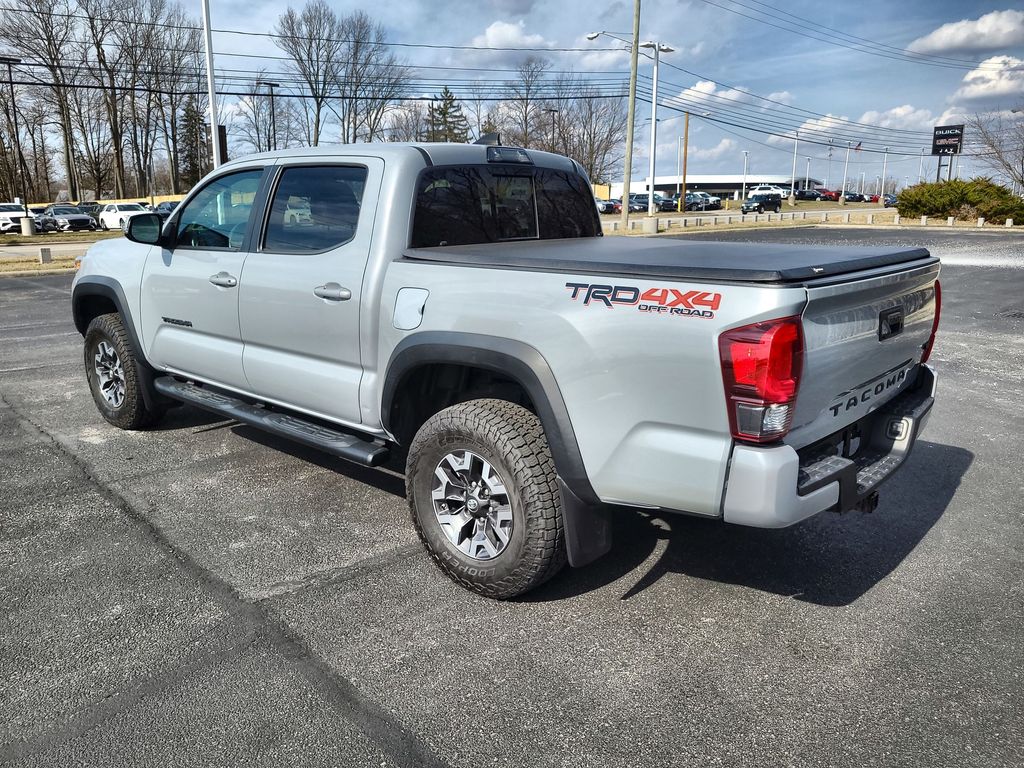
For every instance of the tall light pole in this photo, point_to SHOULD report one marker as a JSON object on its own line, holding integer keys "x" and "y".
{"x": 658, "y": 49}
{"x": 807, "y": 175}
{"x": 828, "y": 168}
{"x": 214, "y": 125}
{"x": 10, "y": 61}
{"x": 743, "y": 190}
{"x": 792, "y": 180}
{"x": 681, "y": 203}
{"x": 920, "y": 168}
{"x": 885, "y": 162}
{"x": 630, "y": 108}
{"x": 846, "y": 168}
{"x": 679, "y": 164}
{"x": 553, "y": 112}
{"x": 272, "y": 143}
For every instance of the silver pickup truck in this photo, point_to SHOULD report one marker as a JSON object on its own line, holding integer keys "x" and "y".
{"x": 458, "y": 305}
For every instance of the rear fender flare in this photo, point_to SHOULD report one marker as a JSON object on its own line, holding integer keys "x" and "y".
{"x": 587, "y": 524}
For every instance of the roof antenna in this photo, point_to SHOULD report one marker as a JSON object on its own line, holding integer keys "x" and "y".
{"x": 489, "y": 140}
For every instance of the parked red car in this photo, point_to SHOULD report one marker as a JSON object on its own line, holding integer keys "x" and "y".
{"x": 871, "y": 198}
{"x": 828, "y": 194}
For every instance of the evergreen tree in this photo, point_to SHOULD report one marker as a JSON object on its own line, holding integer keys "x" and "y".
{"x": 446, "y": 120}
{"x": 195, "y": 144}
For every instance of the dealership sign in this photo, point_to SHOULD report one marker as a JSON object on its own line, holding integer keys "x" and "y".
{"x": 947, "y": 139}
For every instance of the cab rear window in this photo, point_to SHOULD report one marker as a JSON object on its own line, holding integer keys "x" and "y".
{"x": 471, "y": 204}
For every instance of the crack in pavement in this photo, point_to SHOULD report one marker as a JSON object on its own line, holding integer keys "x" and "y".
{"x": 379, "y": 726}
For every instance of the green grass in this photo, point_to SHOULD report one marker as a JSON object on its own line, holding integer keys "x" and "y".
{"x": 59, "y": 237}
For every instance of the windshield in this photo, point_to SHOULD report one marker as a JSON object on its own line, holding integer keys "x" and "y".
{"x": 470, "y": 204}
{"x": 10, "y": 207}
{"x": 130, "y": 207}
{"x": 68, "y": 211}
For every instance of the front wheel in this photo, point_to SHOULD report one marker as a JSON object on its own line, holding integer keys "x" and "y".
{"x": 484, "y": 498}
{"x": 103, "y": 225}
{"x": 113, "y": 377}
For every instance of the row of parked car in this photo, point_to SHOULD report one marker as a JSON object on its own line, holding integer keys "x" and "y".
{"x": 83, "y": 217}
{"x": 695, "y": 201}
{"x": 760, "y": 198}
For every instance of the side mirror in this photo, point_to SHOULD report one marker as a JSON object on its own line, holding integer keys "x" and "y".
{"x": 144, "y": 228}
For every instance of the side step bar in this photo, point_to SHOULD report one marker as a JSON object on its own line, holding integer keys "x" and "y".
{"x": 370, "y": 453}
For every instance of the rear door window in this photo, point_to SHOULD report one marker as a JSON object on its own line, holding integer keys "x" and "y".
{"x": 469, "y": 204}
{"x": 314, "y": 208}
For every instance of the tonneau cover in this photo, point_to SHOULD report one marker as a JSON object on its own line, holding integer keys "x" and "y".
{"x": 674, "y": 259}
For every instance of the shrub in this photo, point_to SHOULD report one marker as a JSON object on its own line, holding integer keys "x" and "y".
{"x": 965, "y": 200}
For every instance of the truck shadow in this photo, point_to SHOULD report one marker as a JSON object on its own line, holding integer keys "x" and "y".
{"x": 829, "y": 559}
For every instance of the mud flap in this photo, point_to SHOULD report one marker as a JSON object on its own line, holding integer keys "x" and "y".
{"x": 588, "y": 528}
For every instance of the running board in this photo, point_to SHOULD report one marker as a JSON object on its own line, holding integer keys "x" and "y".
{"x": 370, "y": 453}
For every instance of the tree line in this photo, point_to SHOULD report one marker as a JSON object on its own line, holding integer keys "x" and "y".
{"x": 110, "y": 98}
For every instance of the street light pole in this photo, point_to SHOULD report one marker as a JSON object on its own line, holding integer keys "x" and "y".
{"x": 214, "y": 126}
{"x": 743, "y": 190}
{"x": 553, "y": 113}
{"x": 885, "y": 161}
{"x": 846, "y": 168}
{"x": 792, "y": 180}
{"x": 681, "y": 205}
{"x": 679, "y": 163}
{"x": 920, "y": 168}
{"x": 10, "y": 61}
{"x": 272, "y": 140}
{"x": 658, "y": 48}
{"x": 630, "y": 109}
{"x": 807, "y": 175}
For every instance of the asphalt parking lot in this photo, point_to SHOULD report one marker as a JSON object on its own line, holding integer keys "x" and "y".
{"x": 206, "y": 595}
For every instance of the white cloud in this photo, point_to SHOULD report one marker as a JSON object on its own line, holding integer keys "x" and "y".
{"x": 503, "y": 34}
{"x": 815, "y": 129}
{"x": 725, "y": 147}
{"x": 996, "y": 78}
{"x": 904, "y": 117}
{"x": 995, "y": 30}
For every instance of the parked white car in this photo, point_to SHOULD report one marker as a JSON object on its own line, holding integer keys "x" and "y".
{"x": 10, "y": 215}
{"x": 117, "y": 214}
{"x": 767, "y": 189}
{"x": 710, "y": 201}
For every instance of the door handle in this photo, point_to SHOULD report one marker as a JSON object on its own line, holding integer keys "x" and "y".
{"x": 224, "y": 280}
{"x": 332, "y": 292}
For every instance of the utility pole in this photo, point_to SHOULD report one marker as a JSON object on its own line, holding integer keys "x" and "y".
{"x": 10, "y": 61}
{"x": 214, "y": 125}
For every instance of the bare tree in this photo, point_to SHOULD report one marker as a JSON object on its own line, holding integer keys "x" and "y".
{"x": 371, "y": 80}
{"x": 1000, "y": 136}
{"x": 589, "y": 127}
{"x": 44, "y": 30}
{"x": 254, "y": 119}
{"x": 408, "y": 122}
{"x": 313, "y": 40}
{"x": 524, "y": 103}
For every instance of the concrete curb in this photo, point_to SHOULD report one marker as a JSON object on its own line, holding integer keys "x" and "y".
{"x": 32, "y": 272}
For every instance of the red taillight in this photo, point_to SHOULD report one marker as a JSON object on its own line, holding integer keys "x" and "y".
{"x": 935, "y": 324}
{"x": 761, "y": 366}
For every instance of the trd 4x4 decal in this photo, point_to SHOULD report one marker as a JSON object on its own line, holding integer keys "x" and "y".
{"x": 667, "y": 301}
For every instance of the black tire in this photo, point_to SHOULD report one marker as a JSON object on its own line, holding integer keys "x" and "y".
{"x": 760, "y": 209}
{"x": 103, "y": 225}
{"x": 131, "y": 412}
{"x": 512, "y": 440}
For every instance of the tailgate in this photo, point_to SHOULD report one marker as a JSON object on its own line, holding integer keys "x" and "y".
{"x": 863, "y": 340}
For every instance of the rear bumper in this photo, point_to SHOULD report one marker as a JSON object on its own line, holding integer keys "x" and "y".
{"x": 778, "y": 486}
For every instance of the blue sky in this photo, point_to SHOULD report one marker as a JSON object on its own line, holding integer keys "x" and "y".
{"x": 986, "y": 40}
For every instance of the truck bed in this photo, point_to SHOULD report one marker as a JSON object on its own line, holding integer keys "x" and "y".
{"x": 674, "y": 259}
